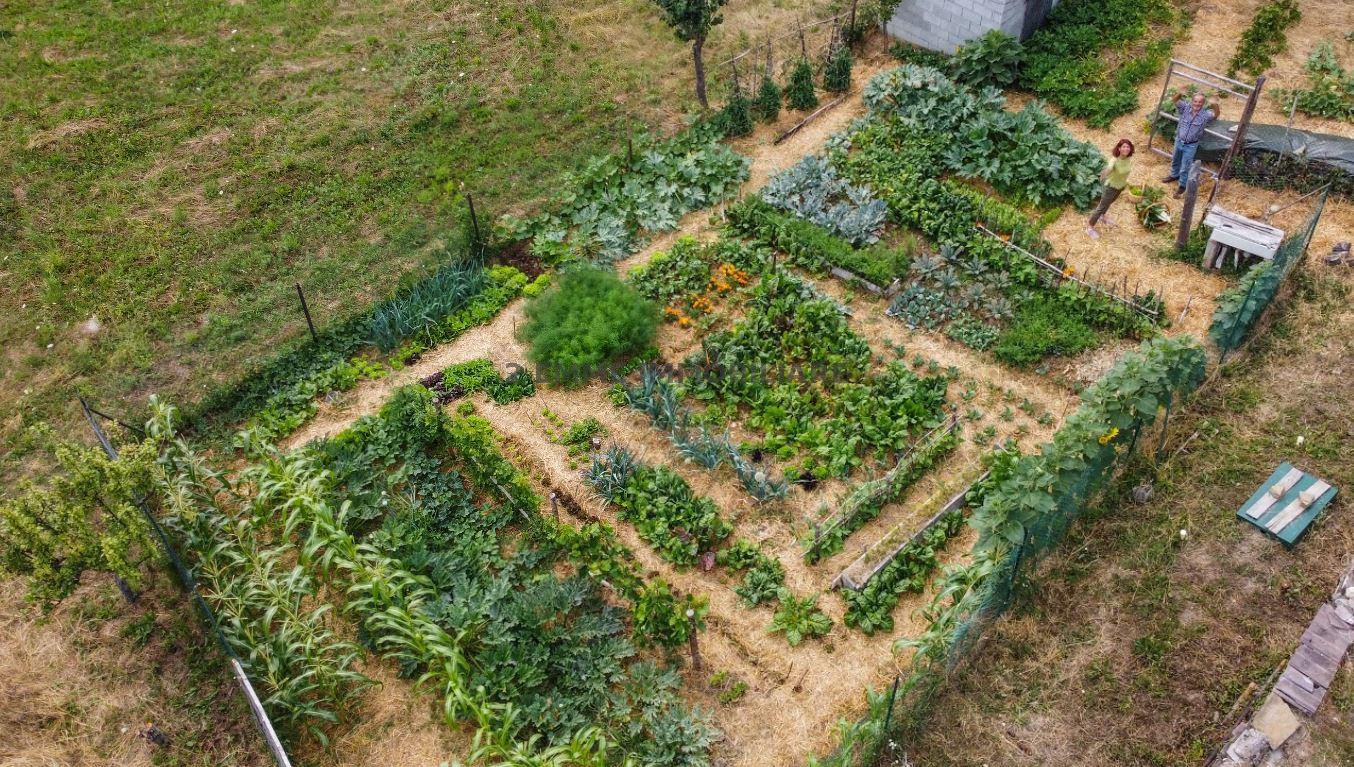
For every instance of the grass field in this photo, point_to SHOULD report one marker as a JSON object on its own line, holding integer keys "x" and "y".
{"x": 172, "y": 172}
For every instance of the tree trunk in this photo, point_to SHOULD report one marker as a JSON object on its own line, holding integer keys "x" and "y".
{"x": 699, "y": 61}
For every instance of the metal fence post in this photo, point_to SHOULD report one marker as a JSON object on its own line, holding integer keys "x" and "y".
{"x": 305, "y": 308}
{"x": 888, "y": 719}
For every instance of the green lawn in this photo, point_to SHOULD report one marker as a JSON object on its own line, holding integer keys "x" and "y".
{"x": 173, "y": 168}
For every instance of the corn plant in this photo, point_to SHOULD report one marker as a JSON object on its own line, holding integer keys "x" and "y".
{"x": 266, "y": 611}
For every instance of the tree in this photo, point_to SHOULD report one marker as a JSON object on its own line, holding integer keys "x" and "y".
{"x": 86, "y": 520}
{"x": 692, "y": 20}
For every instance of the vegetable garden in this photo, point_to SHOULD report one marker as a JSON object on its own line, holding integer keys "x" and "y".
{"x": 693, "y": 502}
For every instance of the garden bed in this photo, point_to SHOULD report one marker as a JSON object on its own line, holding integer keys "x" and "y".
{"x": 716, "y": 447}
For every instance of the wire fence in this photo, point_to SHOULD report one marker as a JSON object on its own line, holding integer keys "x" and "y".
{"x": 265, "y": 725}
{"x": 898, "y": 714}
{"x": 1241, "y": 307}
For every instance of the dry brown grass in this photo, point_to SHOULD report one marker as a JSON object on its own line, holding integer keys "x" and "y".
{"x": 80, "y": 682}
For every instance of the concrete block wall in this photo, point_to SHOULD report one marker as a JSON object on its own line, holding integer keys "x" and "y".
{"x": 944, "y": 25}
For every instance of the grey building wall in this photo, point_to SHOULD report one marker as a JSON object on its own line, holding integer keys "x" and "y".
{"x": 944, "y": 25}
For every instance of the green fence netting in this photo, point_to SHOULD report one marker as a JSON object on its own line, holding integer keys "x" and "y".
{"x": 1241, "y": 306}
{"x": 1021, "y": 518}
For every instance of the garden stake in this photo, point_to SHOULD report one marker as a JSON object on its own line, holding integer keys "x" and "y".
{"x": 1185, "y": 311}
{"x": 888, "y": 717}
{"x": 695, "y": 648}
{"x": 554, "y": 504}
{"x": 305, "y": 308}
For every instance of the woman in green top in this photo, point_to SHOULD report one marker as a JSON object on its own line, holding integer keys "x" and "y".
{"x": 1115, "y": 178}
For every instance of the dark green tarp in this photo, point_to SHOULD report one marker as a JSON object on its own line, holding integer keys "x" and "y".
{"x": 1336, "y": 152}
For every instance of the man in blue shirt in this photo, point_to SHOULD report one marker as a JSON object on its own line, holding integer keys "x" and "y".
{"x": 1194, "y": 117}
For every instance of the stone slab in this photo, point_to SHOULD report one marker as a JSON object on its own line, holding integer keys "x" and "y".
{"x": 1276, "y": 721}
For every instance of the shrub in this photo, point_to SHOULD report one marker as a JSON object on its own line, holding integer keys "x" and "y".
{"x": 1042, "y": 328}
{"x": 993, "y": 59}
{"x": 1265, "y": 37}
{"x": 735, "y": 119}
{"x": 766, "y": 105}
{"x": 837, "y": 71}
{"x": 799, "y": 93}
{"x": 587, "y": 321}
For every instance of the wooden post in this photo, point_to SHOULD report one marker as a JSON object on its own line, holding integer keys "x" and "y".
{"x": 554, "y": 504}
{"x": 127, "y": 592}
{"x": 305, "y": 308}
{"x": 803, "y": 44}
{"x": 1165, "y": 423}
{"x": 1187, "y": 213}
{"x": 1238, "y": 140}
{"x": 695, "y": 647}
{"x": 851, "y": 25}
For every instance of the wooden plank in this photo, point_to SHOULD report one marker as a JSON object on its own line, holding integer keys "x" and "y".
{"x": 1286, "y": 482}
{"x": 1298, "y": 679}
{"x": 1332, "y": 650}
{"x": 1299, "y": 527}
{"x": 1328, "y": 626}
{"x": 1302, "y": 700}
{"x": 1296, "y": 507}
{"x": 1316, "y": 666}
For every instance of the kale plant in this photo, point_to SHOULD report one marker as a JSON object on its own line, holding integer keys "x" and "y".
{"x": 813, "y": 191}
